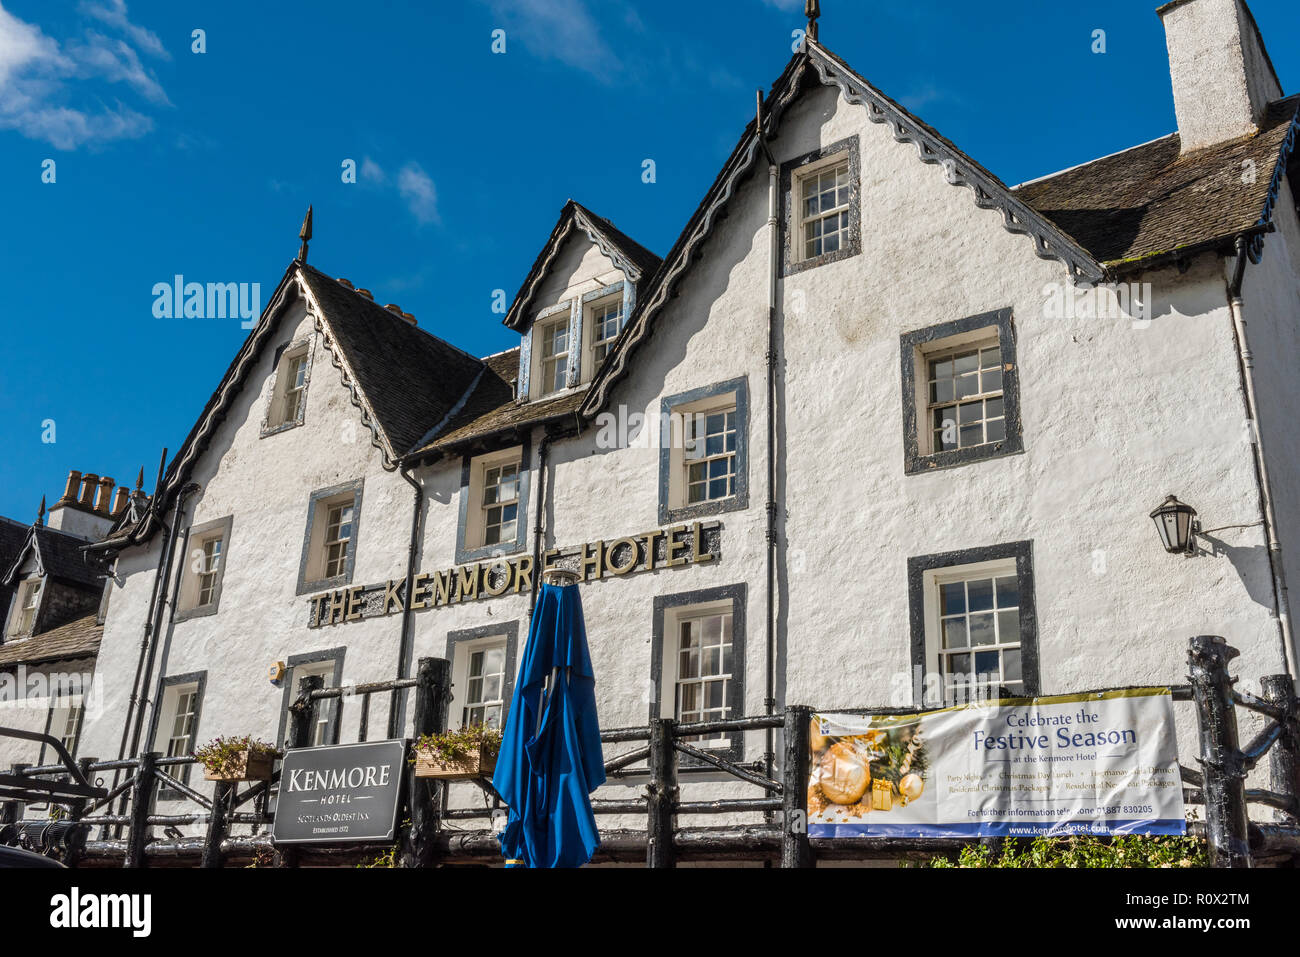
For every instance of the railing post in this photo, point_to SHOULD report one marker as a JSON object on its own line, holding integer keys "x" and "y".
{"x": 661, "y": 795}
{"x": 1284, "y": 756}
{"x": 1226, "y": 823}
{"x": 75, "y": 841}
{"x": 223, "y": 793}
{"x": 302, "y": 718}
{"x": 141, "y": 798}
{"x": 795, "y": 849}
{"x": 432, "y": 692}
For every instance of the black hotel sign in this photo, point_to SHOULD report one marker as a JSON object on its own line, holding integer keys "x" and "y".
{"x": 340, "y": 793}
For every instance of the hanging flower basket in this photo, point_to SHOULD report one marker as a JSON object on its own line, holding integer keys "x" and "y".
{"x": 458, "y": 755}
{"x": 237, "y": 759}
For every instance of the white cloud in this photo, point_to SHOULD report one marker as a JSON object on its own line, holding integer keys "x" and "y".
{"x": 416, "y": 187}
{"x": 372, "y": 172}
{"x": 42, "y": 83}
{"x": 113, "y": 13}
{"x": 561, "y": 30}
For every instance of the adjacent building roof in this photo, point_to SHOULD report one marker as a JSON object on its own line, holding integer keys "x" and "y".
{"x": 1151, "y": 202}
{"x": 76, "y": 639}
{"x": 61, "y": 557}
{"x": 13, "y": 535}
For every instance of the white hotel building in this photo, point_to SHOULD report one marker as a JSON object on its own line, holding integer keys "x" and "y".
{"x": 864, "y": 333}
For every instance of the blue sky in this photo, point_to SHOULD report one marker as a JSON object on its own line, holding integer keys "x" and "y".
{"x": 169, "y": 161}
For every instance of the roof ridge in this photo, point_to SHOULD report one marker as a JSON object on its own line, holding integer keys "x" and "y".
{"x": 1098, "y": 159}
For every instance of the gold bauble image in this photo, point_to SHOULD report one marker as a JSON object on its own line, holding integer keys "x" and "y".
{"x": 910, "y": 786}
{"x": 816, "y": 739}
{"x": 845, "y": 776}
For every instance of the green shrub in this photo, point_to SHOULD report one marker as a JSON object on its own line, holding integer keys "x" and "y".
{"x": 1132, "y": 851}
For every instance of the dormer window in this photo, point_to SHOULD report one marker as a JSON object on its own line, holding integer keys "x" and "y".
{"x": 555, "y": 355}
{"x": 25, "y": 605}
{"x": 288, "y": 404}
{"x": 607, "y": 323}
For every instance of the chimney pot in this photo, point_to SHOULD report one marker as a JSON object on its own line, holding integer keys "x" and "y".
{"x": 89, "y": 484}
{"x": 105, "y": 496}
{"x": 73, "y": 487}
{"x": 120, "y": 500}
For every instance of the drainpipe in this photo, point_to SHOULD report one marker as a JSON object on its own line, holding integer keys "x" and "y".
{"x": 156, "y": 623}
{"x": 539, "y": 530}
{"x": 1281, "y": 603}
{"x": 774, "y": 240}
{"x": 136, "y": 693}
{"x": 397, "y": 706}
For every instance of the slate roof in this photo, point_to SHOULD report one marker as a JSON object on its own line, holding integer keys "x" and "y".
{"x": 644, "y": 259}
{"x": 491, "y": 409}
{"x": 13, "y": 535}
{"x": 574, "y": 214}
{"x": 410, "y": 378}
{"x": 61, "y": 557}
{"x": 76, "y": 639}
{"x": 1150, "y": 201}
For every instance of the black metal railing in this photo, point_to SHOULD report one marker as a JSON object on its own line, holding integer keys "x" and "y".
{"x": 432, "y": 833}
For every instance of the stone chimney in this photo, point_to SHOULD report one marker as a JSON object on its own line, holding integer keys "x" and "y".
{"x": 104, "y": 502}
{"x": 1221, "y": 73}
{"x": 89, "y": 484}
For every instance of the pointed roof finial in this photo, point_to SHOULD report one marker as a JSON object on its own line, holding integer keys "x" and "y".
{"x": 305, "y": 235}
{"x": 139, "y": 480}
{"x": 812, "y": 9}
{"x": 40, "y": 516}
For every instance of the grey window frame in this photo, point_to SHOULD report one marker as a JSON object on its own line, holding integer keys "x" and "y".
{"x": 357, "y": 487}
{"x": 509, "y": 630}
{"x": 465, "y": 554}
{"x": 308, "y": 343}
{"x": 915, "y": 462}
{"x": 290, "y": 693}
{"x": 791, "y": 172}
{"x": 1023, "y": 553}
{"x": 734, "y": 503}
{"x": 182, "y": 774}
{"x": 737, "y": 594}
{"x": 225, "y": 524}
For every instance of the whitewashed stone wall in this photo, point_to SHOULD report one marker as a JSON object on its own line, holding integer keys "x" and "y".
{"x": 1115, "y": 417}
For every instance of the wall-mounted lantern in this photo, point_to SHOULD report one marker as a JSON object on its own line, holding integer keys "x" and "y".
{"x": 1176, "y": 523}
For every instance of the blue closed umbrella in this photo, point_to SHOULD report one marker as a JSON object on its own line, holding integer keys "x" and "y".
{"x": 551, "y": 758}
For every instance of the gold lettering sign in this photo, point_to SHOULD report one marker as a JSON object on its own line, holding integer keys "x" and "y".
{"x": 659, "y": 548}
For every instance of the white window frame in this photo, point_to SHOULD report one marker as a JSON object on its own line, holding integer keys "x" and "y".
{"x": 288, "y": 406}
{"x": 814, "y": 171}
{"x": 178, "y": 740}
{"x": 685, "y": 452}
{"x": 335, "y": 545}
{"x": 495, "y": 483}
{"x": 464, "y": 654}
{"x": 595, "y": 311}
{"x": 932, "y": 581}
{"x": 670, "y": 673}
{"x": 544, "y": 330}
{"x": 992, "y": 427}
{"x": 476, "y": 514}
{"x": 201, "y": 572}
{"x": 26, "y": 599}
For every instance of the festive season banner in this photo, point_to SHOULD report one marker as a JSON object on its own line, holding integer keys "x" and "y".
{"x": 1102, "y": 763}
